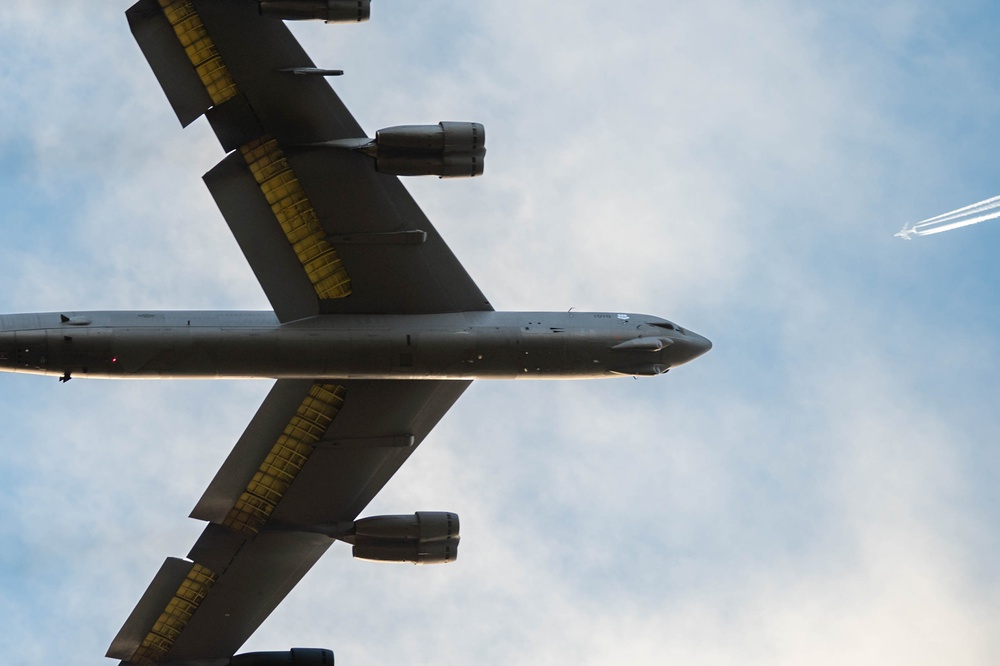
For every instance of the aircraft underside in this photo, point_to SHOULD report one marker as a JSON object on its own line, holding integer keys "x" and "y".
{"x": 476, "y": 345}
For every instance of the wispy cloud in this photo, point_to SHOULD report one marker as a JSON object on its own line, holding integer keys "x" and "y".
{"x": 820, "y": 487}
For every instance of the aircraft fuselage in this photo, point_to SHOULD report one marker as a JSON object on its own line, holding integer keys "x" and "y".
{"x": 464, "y": 345}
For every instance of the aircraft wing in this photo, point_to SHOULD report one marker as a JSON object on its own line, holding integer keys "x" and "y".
{"x": 312, "y": 458}
{"x": 323, "y": 231}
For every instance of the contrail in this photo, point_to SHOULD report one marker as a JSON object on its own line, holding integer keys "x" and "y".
{"x": 982, "y": 205}
{"x": 962, "y": 217}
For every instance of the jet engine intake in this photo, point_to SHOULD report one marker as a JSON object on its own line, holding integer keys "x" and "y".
{"x": 426, "y": 537}
{"x": 331, "y": 11}
{"x": 294, "y": 657}
{"x": 448, "y": 150}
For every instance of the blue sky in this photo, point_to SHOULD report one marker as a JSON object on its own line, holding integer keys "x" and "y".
{"x": 820, "y": 488}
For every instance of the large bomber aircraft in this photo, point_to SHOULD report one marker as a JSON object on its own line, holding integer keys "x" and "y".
{"x": 376, "y": 330}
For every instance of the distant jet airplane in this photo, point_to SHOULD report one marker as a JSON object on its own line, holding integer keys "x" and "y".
{"x": 376, "y": 330}
{"x": 966, "y": 216}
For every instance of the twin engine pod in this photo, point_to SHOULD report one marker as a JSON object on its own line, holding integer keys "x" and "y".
{"x": 426, "y": 537}
{"x": 448, "y": 150}
{"x": 331, "y": 11}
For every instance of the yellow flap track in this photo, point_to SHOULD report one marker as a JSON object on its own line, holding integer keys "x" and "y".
{"x": 286, "y": 459}
{"x": 200, "y": 49}
{"x": 175, "y": 617}
{"x": 297, "y": 217}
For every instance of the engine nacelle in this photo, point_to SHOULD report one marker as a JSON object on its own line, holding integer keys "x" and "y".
{"x": 423, "y": 526}
{"x": 448, "y": 150}
{"x": 294, "y": 657}
{"x": 331, "y": 11}
{"x": 426, "y": 537}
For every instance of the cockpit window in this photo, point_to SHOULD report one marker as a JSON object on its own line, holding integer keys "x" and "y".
{"x": 669, "y": 326}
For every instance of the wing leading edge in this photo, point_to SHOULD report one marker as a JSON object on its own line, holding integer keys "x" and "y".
{"x": 323, "y": 231}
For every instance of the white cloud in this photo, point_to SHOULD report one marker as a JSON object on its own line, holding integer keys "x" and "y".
{"x": 819, "y": 488}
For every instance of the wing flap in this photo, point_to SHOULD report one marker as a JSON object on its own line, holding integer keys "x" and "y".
{"x": 265, "y": 429}
{"x": 166, "y": 57}
{"x": 262, "y": 199}
{"x": 262, "y": 240}
{"x": 151, "y": 606}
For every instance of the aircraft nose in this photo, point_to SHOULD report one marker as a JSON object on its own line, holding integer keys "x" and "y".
{"x": 700, "y": 344}
{"x": 690, "y": 347}
{"x": 703, "y": 343}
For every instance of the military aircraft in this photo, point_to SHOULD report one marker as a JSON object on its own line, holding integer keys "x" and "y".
{"x": 376, "y": 329}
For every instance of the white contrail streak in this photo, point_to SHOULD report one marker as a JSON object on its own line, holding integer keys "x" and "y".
{"x": 982, "y": 205}
{"x": 956, "y": 219}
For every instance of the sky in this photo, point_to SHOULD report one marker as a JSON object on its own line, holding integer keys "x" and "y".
{"x": 820, "y": 488}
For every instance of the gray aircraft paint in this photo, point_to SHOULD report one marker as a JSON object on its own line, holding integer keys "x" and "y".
{"x": 467, "y": 345}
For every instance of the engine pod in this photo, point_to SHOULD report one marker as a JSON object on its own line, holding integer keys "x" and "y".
{"x": 426, "y": 537}
{"x": 422, "y": 526}
{"x": 449, "y": 150}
